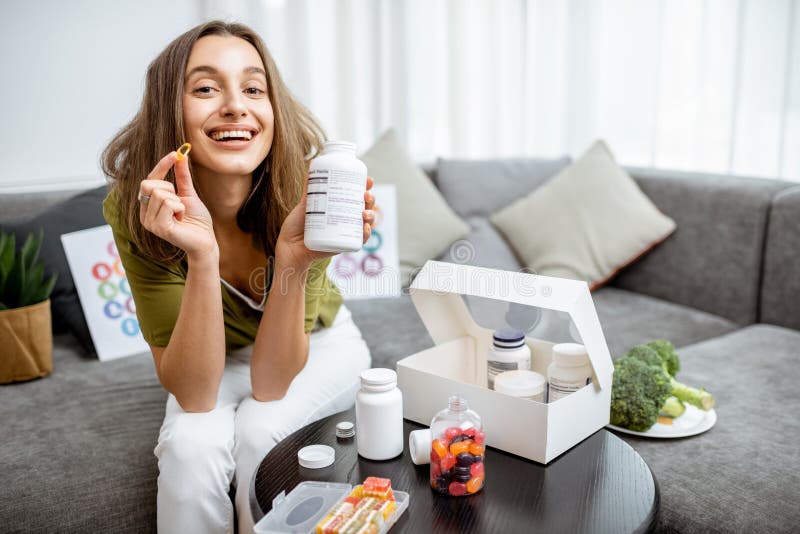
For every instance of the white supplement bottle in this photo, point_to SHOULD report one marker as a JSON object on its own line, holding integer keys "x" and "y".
{"x": 508, "y": 352}
{"x": 523, "y": 384}
{"x": 337, "y": 181}
{"x": 569, "y": 371}
{"x": 379, "y": 415}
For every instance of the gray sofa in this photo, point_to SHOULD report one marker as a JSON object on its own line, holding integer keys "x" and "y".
{"x": 77, "y": 447}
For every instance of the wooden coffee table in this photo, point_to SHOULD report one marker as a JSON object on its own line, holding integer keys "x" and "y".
{"x": 600, "y": 485}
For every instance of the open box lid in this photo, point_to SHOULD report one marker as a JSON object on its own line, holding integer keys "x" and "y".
{"x": 436, "y": 292}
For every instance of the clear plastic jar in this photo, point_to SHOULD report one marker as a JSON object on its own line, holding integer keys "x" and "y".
{"x": 335, "y": 201}
{"x": 457, "y": 450}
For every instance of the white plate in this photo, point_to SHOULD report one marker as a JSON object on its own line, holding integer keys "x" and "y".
{"x": 693, "y": 421}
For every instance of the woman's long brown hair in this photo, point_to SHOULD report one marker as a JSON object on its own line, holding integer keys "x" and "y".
{"x": 158, "y": 129}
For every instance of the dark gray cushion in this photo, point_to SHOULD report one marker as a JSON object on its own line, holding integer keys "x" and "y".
{"x": 22, "y": 206}
{"x": 742, "y": 475}
{"x": 713, "y": 260}
{"x": 481, "y": 187}
{"x": 483, "y": 247}
{"x": 391, "y": 327}
{"x": 629, "y": 319}
{"x": 76, "y": 213}
{"x": 780, "y": 289}
{"x": 77, "y": 448}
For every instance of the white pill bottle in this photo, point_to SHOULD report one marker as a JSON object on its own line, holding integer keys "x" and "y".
{"x": 569, "y": 371}
{"x": 335, "y": 202}
{"x": 379, "y": 415}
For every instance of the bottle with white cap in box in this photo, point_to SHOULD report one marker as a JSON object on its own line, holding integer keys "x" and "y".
{"x": 457, "y": 450}
{"x": 569, "y": 371}
{"x": 508, "y": 352}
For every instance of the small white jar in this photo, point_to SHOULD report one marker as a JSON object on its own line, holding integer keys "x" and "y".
{"x": 337, "y": 181}
{"x": 379, "y": 415}
{"x": 523, "y": 384}
{"x": 569, "y": 371}
{"x": 508, "y": 352}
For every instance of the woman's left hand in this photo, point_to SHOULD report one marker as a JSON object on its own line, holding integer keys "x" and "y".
{"x": 292, "y": 249}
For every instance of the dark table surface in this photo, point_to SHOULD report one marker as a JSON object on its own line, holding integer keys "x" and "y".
{"x": 600, "y": 485}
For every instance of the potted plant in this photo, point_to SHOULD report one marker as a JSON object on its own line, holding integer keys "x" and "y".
{"x": 26, "y": 336}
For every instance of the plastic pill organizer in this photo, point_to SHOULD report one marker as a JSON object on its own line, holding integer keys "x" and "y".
{"x": 301, "y": 510}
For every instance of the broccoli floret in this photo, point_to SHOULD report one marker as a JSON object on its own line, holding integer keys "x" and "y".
{"x": 696, "y": 397}
{"x": 638, "y": 393}
{"x": 646, "y": 355}
{"x": 666, "y": 351}
{"x": 673, "y": 407}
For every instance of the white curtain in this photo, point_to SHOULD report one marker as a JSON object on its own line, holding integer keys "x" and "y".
{"x": 700, "y": 85}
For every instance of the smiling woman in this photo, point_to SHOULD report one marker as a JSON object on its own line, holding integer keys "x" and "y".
{"x": 245, "y": 363}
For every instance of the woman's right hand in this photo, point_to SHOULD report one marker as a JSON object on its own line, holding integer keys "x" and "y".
{"x": 180, "y": 218}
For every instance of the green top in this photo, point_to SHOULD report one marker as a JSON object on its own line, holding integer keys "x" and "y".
{"x": 157, "y": 290}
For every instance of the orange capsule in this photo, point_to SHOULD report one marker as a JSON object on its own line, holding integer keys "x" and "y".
{"x": 183, "y": 151}
{"x": 474, "y": 484}
{"x": 440, "y": 447}
{"x": 459, "y": 447}
{"x": 476, "y": 449}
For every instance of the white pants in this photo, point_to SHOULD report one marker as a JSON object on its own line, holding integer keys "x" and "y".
{"x": 200, "y": 454}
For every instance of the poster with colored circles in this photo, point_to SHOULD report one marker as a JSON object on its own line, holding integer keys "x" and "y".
{"x": 104, "y": 293}
{"x": 373, "y": 271}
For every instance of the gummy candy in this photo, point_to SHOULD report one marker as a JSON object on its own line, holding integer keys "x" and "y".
{"x": 452, "y": 432}
{"x": 480, "y": 436}
{"x": 459, "y": 447}
{"x": 465, "y": 458}
{"x": 474, "y": 484}
{"x": 476, "y": 469}
{"x": 476, "y": 449}
{"x": 457, "y": 488}
{"x": 440, "y": 447}
{"x": 448, "y": 461}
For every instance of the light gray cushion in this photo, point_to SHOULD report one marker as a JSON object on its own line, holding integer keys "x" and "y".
{"x": 780, "y": 289}
{"x": 586, "y": 223}
{"x": 481, "y": 187}
{"x": 629, "y": 319}
{"x": 426, "y": 224}
{"x": 742, "y": 475}
{"x": 713, "y": 260}
{"x": 483, "y": 247}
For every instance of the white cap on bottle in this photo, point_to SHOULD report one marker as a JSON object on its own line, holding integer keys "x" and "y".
{"x": 419, "y": 445}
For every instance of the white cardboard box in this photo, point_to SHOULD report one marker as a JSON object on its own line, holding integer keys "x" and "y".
{"x": 457, "y": 362}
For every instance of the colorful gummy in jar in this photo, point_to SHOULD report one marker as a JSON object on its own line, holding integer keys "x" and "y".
{"x": 457, "y": 462}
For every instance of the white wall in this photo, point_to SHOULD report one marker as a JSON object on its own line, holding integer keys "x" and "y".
{"x": 710, "y": 86}
{"x": 72, "y": 75}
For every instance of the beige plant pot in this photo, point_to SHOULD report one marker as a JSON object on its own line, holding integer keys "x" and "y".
{"x": 26, "y": 343}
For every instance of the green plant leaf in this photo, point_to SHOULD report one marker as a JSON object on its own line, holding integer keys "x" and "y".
{"x": 33, "y": 282}
{"x": 14, "y": 283}
{"x": 45, "y": 289}
{"x": 30, "y": 249}
{"x": 6, "y": 259}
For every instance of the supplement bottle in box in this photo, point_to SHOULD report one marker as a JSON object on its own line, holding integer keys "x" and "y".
{"x": 569, "y": 371}
{"x": 457, "y": 450}
{"x": 337, "y": 181}
{"x": 508, "y": 352}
